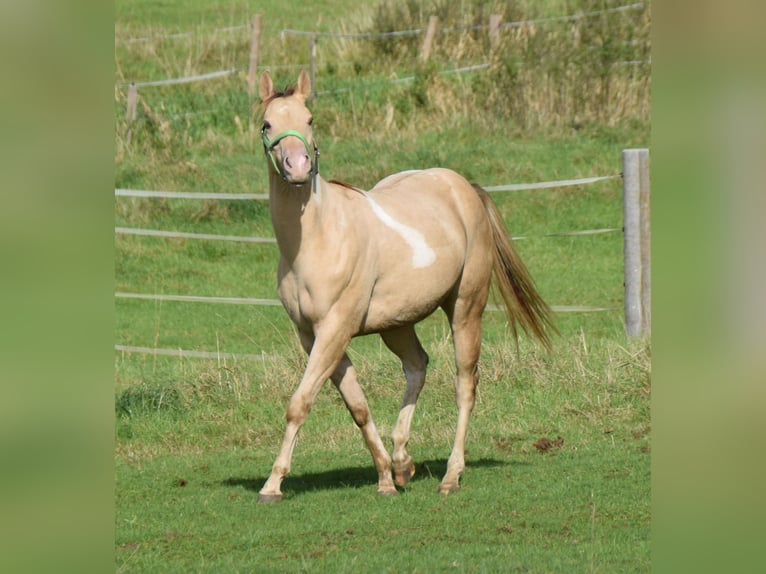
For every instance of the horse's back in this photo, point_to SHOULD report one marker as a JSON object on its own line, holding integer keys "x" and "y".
{"x": 435, "y": 179}
{"x": 426, "y": 226}
{"x": 433, "y": 193}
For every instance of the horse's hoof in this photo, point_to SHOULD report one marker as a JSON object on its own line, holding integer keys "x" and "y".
{"x": 449, "y": 488}
{"x": 269, "y": 498}
{"x": 404, "y": 472}
{"x": 388, "y": 492}
{"x": 403, "y": 477}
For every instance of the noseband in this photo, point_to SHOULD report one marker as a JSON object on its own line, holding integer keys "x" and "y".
{"x": 270, "y": 144}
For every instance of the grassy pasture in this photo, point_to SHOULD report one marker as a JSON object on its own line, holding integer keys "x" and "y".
{"x": 195, "y": 438}
{"x": 189, "y": 465}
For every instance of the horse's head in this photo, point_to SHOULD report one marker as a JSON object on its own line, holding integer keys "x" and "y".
{"x": 286, "y": 131}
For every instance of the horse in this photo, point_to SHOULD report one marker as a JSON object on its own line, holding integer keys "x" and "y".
{"x": 355, "y": 262}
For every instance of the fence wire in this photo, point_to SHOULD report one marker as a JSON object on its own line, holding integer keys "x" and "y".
{"x": 185, "y": 353}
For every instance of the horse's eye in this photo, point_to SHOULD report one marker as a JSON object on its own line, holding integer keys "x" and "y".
{"x": 266, "y": 126}
{"x": 311, "y": 121}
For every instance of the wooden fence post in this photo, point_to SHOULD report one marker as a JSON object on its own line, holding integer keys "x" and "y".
{"x": 494, "y": 32}
{"x": 313, "y": 65}
{"x": 255, "y": 40}
{"x": 636, "y": 221}
{"x": 132, "y": 102}
{"x": 425, "y": 52}
{"x": 131, "y": 111}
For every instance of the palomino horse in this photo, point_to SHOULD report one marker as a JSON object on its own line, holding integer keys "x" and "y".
{"x": 355, "y": 262}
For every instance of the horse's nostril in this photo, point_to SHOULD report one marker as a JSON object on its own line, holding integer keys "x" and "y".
{"x": 288, "y": 163}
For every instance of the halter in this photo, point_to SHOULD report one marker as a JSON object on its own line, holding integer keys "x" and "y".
{"x": 269, "y": 145}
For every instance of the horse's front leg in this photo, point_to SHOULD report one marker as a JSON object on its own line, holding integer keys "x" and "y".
{"x": 326, "y": 352}
{"x": 344, "y": 378}
{"x": 405, "y": 344}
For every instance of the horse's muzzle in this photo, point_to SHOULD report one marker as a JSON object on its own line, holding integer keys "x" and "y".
{"x": 296, "y": 164}
{"x": 290, "y": 155}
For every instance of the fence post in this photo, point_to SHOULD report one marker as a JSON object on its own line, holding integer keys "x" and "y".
{"x": 132, "y": 102}
{"x": 425, "y": 52}
{"x": 494, "y": 32}
{"x": 635, "y": 188}
{"x": 313, "y": 65}
{"x": 255, "y": 40}
{"x": 131, "y": 111}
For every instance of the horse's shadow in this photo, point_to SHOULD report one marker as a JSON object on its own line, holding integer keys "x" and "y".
{"x": 355, "y": 477}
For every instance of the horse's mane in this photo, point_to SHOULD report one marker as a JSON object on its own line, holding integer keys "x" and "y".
{"x": 346, "y": 185}
{"x": 288, "y": 91}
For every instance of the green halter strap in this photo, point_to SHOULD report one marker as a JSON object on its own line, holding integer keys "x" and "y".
{"x": 269, "y": 145}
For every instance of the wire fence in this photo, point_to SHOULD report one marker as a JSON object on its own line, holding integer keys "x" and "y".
{"x": 314, "y": 35}
{"x": 235, "y": 70}
{"x": 476, "y": 27}
{"x": 392, "y": 34}
{"x": 270, "y": 240}
{"x": 263, "y": 196}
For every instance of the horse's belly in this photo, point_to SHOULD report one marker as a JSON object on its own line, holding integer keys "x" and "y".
{"x": 382, "y": 319}
{"x": 407, "y": 301}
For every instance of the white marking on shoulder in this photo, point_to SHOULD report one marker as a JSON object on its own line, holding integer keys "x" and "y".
{"x": 422, "y": 254}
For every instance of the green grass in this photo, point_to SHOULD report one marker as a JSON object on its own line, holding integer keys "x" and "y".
{"x": 195, "y": 438}
{"x": 513, "y": 519}
{"x": 190, "y": 463}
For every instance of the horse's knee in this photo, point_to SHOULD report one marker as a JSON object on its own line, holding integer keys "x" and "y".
{"x": 354, "y": 399}
{"x": 297, "y": 410}
{"x": 465, "y": 391}
{"x": 360, "y": 414}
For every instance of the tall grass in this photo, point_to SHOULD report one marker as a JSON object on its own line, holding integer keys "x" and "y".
{"x": 206, "y": 405}
{"x": 553, "y": 74}
{"x": 594, "y": 68}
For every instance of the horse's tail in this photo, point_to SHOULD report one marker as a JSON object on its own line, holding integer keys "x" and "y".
{"x": 523, "y": 303}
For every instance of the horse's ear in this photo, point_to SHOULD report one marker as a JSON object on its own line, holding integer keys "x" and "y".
{"x": 303, "y": 89}
{"x": 266, "y": 87}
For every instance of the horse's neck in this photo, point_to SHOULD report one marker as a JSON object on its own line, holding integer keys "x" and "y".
{"x": 296, "y": 212}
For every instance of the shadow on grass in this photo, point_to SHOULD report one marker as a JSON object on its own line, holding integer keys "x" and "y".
{"x": 356, "y": 476}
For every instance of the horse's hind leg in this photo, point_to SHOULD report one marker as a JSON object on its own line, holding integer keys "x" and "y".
{"x": 466, "y": 333}
{"x": 405, "y": 344}
{"x": 344, "y": 379}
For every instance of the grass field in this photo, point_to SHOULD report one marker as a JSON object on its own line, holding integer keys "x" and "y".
{"x": 195, "y": 438}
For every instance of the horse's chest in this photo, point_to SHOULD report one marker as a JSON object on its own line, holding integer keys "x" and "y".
{"x": 295, "y": 297}
{"x": 309, "y": 297}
